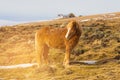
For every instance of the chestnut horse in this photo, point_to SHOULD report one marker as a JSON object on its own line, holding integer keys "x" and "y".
{"x": 61, "y": 38}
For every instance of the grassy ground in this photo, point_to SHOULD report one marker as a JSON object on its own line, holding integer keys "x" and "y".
{"x": 100, "y": 41}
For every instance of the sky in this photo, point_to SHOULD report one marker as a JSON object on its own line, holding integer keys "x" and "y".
{"x": 31, "y": 10}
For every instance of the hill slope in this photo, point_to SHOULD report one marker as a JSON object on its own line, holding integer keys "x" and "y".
{"x": 100, "y": 41}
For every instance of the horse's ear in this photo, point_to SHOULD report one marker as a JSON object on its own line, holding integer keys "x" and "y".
{"x": 79, "y": 27}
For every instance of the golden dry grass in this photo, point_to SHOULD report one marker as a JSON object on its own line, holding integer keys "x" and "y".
{"x": 100, "y": 41}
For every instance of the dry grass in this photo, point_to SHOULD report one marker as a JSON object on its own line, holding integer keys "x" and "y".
{"x": 100, "y": 41}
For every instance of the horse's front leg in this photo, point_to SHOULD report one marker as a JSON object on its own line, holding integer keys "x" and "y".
{"x": 67, "y": 57}
{"x": 45, "y": 54}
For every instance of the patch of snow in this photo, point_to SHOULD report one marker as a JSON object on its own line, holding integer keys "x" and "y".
{"x": 112, "y": 14}
{"x": 89, "y": 62}
{"x": 18, "y": 66}
{"x": 85, "y": 20}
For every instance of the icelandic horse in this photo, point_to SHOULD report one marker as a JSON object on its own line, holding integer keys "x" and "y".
{"x": 61, "y": 38}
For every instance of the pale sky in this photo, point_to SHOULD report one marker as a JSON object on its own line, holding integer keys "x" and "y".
{"x": 30, "y": 10}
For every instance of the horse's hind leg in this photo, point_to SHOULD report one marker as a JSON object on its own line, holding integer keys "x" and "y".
{"x": 40, "y": 51}
{"x": 39, "y": 45}
{"x": 45, "y": 54}
{"x": 42, "y": 54}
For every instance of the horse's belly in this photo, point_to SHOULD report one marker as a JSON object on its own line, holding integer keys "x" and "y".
{"x": 56, "y": 43}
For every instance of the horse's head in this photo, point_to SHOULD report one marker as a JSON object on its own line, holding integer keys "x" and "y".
{"x": 72, "y": 28}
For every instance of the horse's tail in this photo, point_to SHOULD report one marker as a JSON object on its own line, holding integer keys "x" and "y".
{"x": 36, "y": 40}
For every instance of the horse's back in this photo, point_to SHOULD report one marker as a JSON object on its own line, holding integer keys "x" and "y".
{"x": 53, "y": 37}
